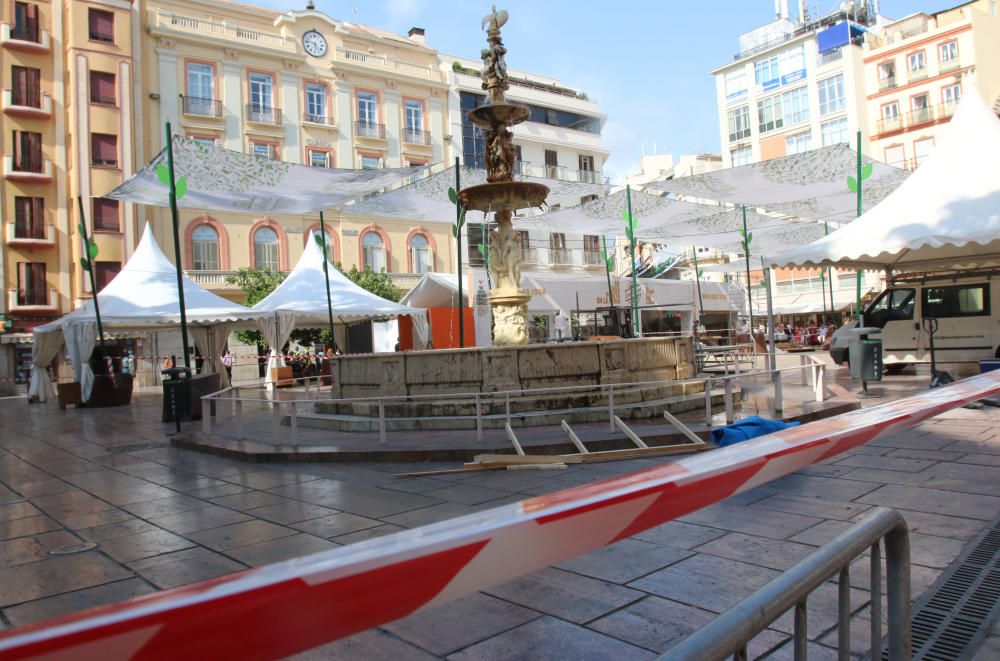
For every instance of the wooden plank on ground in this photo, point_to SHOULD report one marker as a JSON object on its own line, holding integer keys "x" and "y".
{"x": 638, "y": 453}
{"x": 522, "y": 459}
{"x": 540, "y": 467}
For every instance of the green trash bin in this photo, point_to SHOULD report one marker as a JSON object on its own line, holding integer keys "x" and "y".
{"x": 176, "y": 394}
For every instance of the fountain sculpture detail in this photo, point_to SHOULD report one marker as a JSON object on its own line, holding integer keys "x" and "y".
{"x": 501, "y": 194}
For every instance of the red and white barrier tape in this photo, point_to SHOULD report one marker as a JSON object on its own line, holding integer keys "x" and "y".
{"x": 284, "y": 608}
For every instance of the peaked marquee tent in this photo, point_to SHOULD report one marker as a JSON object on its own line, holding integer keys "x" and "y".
{"x": 143, "y": 296}
{"x": 300, "y": 301}
{"x": 946, "y": 215}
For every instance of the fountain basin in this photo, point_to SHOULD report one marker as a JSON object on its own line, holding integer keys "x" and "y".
{"x": 498, "y": 113}
{"x": 503, "y": 196}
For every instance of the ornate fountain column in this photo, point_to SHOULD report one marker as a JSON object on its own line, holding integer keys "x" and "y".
{"x": 502, "y": 195}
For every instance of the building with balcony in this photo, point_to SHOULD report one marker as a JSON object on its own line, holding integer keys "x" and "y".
{"x": 916, "y": 70}
{"x": 560, "y": 140}
{"x": 302, "y": 87}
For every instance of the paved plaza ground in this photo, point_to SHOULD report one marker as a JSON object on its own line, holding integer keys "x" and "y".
{"x": 163, "y": 517}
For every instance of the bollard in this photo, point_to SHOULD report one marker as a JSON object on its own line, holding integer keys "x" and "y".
{"x": 730, "y": 414}
{"x": 708, "y": 402}
{"x": 381, "y": 421}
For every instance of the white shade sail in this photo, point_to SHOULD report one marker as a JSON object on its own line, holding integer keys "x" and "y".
{"x": 303, "y": 295}
{"x": 946, "y": 215}
{"x": 223, "y": 180}
{"x": 812, "y": 184}
{"x": 144, "y": 296}
{"x": 426, "y": 199}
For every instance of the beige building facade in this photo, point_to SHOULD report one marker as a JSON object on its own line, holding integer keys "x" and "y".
{"x": 916, "y": 70}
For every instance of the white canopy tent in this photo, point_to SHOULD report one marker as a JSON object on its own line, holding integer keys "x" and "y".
{"x": 143, "y": 296}
{"x": 300, "y": 302}
{"x": 946, "y": 215}
{"x": 225, "y": 180}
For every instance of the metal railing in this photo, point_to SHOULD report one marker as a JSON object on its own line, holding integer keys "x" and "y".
{"x": 25, "y": 228}
{"x": 413, "y": 136}
{"x": 263, "y": 114}
{"x": 893, "y": 123}
{"x": 29, "y": 163}
{"x": 27, "y": 31}
{"x": 730, "y": 633}
{"x": 26, "y": 97}
{"x": 886, "y": 83}
{"x": 589, "y": 176}
{"x": 919, "y": 116}
{"x": 317, "y": 119}
{"x": 913, "y": 75}
{"x": 497, "y": 406}
{"x": 104, "y": 162}
{"x": 33, "y": 296}
{"x": 193, "y": 105}
{"x": 369, "y": 130}
{"x": 830, "y": 56}
{"x": 593, "y": 258}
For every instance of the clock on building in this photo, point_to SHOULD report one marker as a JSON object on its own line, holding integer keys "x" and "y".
{"x": 314, "y": 43}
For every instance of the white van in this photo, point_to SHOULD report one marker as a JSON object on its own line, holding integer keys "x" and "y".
{"x": 967, "y": 310}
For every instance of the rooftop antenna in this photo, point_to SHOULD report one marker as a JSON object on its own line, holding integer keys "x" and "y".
{"x": 310, "y": 5}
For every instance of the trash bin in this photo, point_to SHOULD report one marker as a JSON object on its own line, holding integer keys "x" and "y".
{"x": 176, "y": 394}
{"x": 866, "y": 359}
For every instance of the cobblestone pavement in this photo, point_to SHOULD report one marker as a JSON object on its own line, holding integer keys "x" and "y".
{"x": 163, "y": 517}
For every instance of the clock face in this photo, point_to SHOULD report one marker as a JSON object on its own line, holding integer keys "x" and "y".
{"x": 314, "y": 43}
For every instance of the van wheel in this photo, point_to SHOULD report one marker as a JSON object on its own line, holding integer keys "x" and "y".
{"x": 895, "y": 369}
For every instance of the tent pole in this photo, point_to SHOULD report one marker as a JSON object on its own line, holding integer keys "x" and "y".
{"x": 697, "y": 279}
{"x": 607, "y": 272}
{"x": 458, "y": 242}
{"x": 775, "y": 375}
{"x": 93, "y": 282}
{"x": 746, "y": 254}
{"x": 326, "y": 278}
{"x": 175, "y": 223}
{"x": 829, "y": 277}
{"x": 636, "y": 321}
{"x": 857, "y": 296}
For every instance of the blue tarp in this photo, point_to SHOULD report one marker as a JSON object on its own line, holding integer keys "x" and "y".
{"x": 746, "y": 429}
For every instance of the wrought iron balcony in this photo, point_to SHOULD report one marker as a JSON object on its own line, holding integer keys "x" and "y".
{"x": 104, "y": 162}
{"x": 263, "y": 114}
{"x": 919, "y": 116}
{"x": 192, "y": 105}
{"x": 886, "y": 83}
{"x": 311, "y": 118}
{"x": 413, "y": 136}
{"x": 369, "y": 130}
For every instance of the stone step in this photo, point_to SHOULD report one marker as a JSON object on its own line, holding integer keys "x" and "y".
{"x": 626, "y": 411}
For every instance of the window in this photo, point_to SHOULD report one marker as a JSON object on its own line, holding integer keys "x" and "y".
{"x": 956, "y": 301}
{"x": 373, "y": 252}
{"x": 370, "y": 162}
{"x": 831, "y": 95}
{"x": 916, "y": 61}
{"x": 765, "y": 71}
{"x": 769, "y": 115}
{"x": 265, "y": 249}
{"x": 261, "y": 108}
{"x": 793, "y": 61}
{"x": 557, "y": 248}
{"x": 367, "y": 108}
{"x": 203, "y": 140}
{"x": 890, "y": 110}
{"x": 31, "y": 286}
{"x": 102, "y": 25}
{"x": 739, "y": 123}
{"x": 200, "y": 99}
{"x": 798, "y": 143}
{"x": 316, "y": 236}
{"x": 264, "y": 150}
{"x": 951, "y": 94}
{"x": 319, "y": 158}
{"x": 104, "y": 150}
{"x": 26, "y": 87}
{"x": 948, "y": 51}
{"x": 834, "y": 132}
{"x": 741, "y": 156}
{"x": 27, "y": 151}
{"x": 25, "y": 22}
{"x": 29, "y": 218}
{"x": 205, "y": 248}
{"x": 106, "y": 215}
{"x": 736, "y": 82}
{"x": 920, "y": 108}
{"x": 886, "y": 75}
{"x": 105, "y": 272}
{"x": 795, "y": 105}
{"x": 592, "y": 249}
{"x": 895, "y": 156}
{"x": 921, "y": 150}
{"x": 420, "y": 254}
{"x": 892, "y": 305}
{"x": 414, "y": 122}
{"x": 316, "y": 103}
{"x": 551, "y": 163}
{"x": 102, "y": 88}
{"x": 524, "y": 241}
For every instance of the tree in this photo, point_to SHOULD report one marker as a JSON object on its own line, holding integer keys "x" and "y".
{"x": 256, "y": 285}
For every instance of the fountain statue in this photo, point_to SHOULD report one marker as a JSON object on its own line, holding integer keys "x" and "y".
{"x": 501, "y": 194}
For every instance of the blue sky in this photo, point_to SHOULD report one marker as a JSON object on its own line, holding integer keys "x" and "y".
{"x": 646, "y": 62}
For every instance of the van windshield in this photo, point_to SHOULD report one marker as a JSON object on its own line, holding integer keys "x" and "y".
{"x": 892, "y": 305}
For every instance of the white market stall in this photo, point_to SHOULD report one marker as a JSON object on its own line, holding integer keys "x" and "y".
{"x": 142, "y": 297}
{"x": 945, "y": 216}
{"x": 300, "y": 301}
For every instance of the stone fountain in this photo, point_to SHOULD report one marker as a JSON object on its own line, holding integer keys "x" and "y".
{"x": 501, "y": 195}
